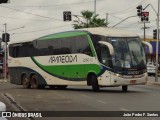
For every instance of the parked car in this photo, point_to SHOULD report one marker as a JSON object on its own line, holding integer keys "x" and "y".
{"x": 2, "y": 109}
{"x": 151, "y": 68}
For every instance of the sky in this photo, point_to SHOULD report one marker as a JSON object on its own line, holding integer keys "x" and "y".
{"x": 31, "y": 19}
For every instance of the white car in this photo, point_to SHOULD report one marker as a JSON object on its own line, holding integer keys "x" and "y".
{"x": 151, "y": 68}
{"x": 2, "y": 109}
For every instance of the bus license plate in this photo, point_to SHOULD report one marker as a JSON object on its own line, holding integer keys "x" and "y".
{"x": 133, "y": 81}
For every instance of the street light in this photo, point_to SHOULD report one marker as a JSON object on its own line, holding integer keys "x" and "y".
{"x": 94, "y": 7}
{"x": 123, "y": 21}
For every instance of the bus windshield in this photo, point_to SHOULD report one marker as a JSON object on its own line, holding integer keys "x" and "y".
{"x": 129, "y": 52}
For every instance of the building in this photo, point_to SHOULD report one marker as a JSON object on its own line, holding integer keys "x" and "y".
{"x": 152, "y": 57}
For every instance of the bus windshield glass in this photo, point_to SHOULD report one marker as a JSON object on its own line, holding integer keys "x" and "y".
{"x": 129, "y": 52}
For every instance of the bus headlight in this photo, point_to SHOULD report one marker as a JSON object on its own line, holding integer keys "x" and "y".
{"x": 118, "y": 75}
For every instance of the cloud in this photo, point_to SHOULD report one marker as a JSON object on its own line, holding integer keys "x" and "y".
{"x": 118, "y": 10}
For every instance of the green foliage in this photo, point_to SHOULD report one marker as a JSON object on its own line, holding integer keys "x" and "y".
{"x": 90, "y": 20}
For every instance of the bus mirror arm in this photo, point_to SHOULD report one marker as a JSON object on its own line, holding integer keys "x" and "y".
{"x": 149, "y": 46}
{"x": 109, "y": 45}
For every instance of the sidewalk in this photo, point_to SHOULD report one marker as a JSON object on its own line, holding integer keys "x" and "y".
{"x": 4, "y": 80}
{"x": 151, "y": 80}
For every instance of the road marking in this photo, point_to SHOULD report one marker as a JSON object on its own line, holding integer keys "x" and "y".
{"x": 124, "y": 109}
{"x": 84, "y": 95}
{"x": 154, "y": 95}
{"x": 100, "y": 101}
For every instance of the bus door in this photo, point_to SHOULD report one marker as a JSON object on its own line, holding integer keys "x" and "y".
{"x": 106, "y": 60}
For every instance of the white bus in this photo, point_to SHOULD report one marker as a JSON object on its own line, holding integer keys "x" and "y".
{"x": 96, "y": 57}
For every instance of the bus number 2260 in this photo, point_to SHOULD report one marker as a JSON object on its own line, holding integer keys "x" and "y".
{"x": 85, "y": 59}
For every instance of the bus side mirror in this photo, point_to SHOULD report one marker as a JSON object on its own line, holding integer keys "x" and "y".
{"x": 109, "y": 45}
{"x": 149, "y": 46}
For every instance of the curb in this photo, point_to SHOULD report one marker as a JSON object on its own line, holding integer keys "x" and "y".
{"x": 153, "y": 83}
{"x": 3, "y": 81}
{"x": 14, "y": 105}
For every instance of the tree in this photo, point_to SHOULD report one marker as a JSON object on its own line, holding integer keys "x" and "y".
{"x": 90, "y": 20}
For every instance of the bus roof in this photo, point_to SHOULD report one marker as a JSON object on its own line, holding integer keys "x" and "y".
{"x": 110, "y": 32}
{"x": 63, "y": 35}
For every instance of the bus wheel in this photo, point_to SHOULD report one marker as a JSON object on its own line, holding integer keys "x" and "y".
{"x": 41, "y": 86}
{"x": 34, "y": 83}
{"x": 61, "y": 87}
{"x": 94, "y": 81}
{"x": 25, "y": 82}
{"x": 124, "y": 88}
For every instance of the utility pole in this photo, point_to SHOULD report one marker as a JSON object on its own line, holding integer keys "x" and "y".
{"x": 5, "y": 53}
{"x": 144, "y": 28}
{"x": 5, "y": 39}
{"x": 157, "y": 43}
{"x": 144, "y": 31}
{"x": 94, "y": 7}
{"x": 106, "y": 19}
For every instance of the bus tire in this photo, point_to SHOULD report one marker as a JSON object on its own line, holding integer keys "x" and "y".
{"x": 124, "y": 88}
{"x": 61, "y": 87}
{"x": 34, "y": 83}
{"x": 41, "y": 86}
{"x": 94, "y": 81}
{"x": 25, "y": 82}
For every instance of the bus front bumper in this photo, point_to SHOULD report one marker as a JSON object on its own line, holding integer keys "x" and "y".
{"x": 129, "y": 80}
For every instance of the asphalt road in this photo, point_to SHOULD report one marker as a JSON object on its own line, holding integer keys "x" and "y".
{"x": 138, "y": 98}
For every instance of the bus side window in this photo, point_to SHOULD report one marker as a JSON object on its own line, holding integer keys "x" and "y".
{"x": 66, "y": 46}
{"x": 82, "y": 45}
{"x": 11, "y": 51}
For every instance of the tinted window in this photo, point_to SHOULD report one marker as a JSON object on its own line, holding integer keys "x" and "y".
{"x": 22, "y": 49}
{"x": 82, "y": 45}
{"x": 95, "y": 39}
{"x": 69, "y": 45}
{"x": 66, "y": 46}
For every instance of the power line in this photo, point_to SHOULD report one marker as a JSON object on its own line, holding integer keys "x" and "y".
{"x": 42, "y": 29}
{"x": 123, "y": 20}
{"x": 24, "y": 19}
{"x": 115, "y": 16}
{"x": 78, "y": 3}
{"x": 136, "y": 23}
{"x": 32, "y": 13}
{"x": 127, "y": 27}
{"x": 120, "y": 18}
{"x": 128, "y": 8}
{"x": 51, "y": 5}
{"x": 123, "y": 11}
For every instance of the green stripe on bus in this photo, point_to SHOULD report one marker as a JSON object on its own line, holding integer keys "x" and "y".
{"x": 70, "y": 71}
{"x": 63, "y": 35}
